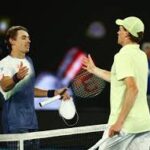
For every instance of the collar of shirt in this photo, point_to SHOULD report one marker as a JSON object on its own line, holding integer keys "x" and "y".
{"x": 130, "y": 47}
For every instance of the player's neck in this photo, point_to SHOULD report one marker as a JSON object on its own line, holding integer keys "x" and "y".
{"x": 17, "y": 54}
{"x": 128, "y": 42}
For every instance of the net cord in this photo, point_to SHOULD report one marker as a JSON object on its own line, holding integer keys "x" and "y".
{"x": 52, "y": 133}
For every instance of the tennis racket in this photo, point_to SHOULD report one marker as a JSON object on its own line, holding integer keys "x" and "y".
{"x": 113, "y": 142}
{"x": 84, "y": 85}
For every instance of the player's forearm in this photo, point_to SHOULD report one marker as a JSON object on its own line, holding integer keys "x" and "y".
{"x": 40, "y": 93}
{"x": 130, "y": 97}
{"x": 43, "y": 93}
{"x": 7, "y": 84}
{"x": 104, "y": 74}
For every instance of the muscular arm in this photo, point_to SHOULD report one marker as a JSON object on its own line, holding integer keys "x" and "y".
{"x": 104, "y": 74}
{"x": 50, "y": 93}
{"x": 40, "y": 93}
{"x": 7, "y": 83}
{"x": 129, "y": 99}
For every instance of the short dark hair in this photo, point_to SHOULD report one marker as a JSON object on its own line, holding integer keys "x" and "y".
{"x": 136, "y": 39}
{"x": 133, "y": 38}
{"x": 12, "y": 33}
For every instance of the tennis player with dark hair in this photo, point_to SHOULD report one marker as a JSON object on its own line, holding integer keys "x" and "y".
{"x": 129, "y": 120}
{"x": 17, "y": 84}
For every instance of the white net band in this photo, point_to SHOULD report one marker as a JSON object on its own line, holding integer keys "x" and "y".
{"x": 52, "y": 133}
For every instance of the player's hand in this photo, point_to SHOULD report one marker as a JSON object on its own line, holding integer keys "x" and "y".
{"x": 88, "y": 64}
{"x": 22, "y": 72}
{"x": 63, "y": 92}
{"x": 114, "y": 129}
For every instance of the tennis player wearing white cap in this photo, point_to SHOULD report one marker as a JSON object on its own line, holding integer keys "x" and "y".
{"x": 129, "y": 120}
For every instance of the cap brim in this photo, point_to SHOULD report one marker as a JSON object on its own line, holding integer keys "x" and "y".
{"x": 119, "y": 22}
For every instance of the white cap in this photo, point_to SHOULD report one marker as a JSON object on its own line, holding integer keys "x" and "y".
{"x": 67, "y": 109}
{"x": 132, "y": 24}
{"x": 68, "y": 112}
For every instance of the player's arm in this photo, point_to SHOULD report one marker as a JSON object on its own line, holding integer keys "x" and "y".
{"x": 89, "y": 65}
{"x": 43, "y": 93}
{"x": 50, "y": 93}
{"x": 129, "y": 99}
{"x": 104, "y": 74}
{"x": 7, "y": 82}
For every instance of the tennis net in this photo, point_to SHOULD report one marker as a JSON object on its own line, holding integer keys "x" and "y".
{"x": 75, "y": 138}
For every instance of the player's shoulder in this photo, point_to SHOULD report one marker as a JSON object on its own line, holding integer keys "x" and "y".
{"x": 5, "y": 60}
{"x": 29, "y": 58}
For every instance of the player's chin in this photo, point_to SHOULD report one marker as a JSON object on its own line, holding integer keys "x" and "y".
{"x": 27, "y": 50}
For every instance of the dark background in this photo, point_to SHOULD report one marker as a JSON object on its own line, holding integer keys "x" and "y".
{"x": 56, "y": 26}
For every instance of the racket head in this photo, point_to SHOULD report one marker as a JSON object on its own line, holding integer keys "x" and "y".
{"x": 87, "y": 85}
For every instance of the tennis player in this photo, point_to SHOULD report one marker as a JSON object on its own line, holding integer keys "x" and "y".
{"x": 17, "y": 84}
{"x": 129, "y": 120}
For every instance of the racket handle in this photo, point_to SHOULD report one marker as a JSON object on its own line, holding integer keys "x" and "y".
{"x": 49, "y": 100}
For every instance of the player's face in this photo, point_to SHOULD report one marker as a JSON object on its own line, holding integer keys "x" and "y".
{"x": 22, "y": 41}
{"x": 122, "y": 34}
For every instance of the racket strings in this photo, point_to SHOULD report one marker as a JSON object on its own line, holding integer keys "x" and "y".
{"x": 87, "y": 85}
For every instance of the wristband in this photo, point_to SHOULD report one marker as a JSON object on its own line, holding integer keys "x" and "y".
{"x": 15, "y": 78}
{"x": 50, "y": 93}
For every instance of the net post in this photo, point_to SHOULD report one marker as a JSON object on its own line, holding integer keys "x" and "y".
{"x": 21, "y": 145}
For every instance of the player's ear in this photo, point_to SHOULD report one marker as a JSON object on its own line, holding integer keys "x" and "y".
{"x": 127, "y": 34}
{"x": 11, "y": 41}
